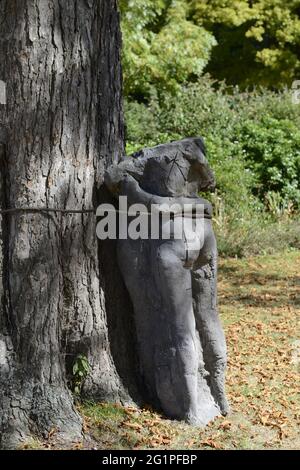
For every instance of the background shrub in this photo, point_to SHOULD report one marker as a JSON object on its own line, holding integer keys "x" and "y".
{"x": 253, "y": 145}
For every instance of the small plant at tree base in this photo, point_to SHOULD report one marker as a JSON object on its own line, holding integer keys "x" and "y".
{"x": 80, "y": 370}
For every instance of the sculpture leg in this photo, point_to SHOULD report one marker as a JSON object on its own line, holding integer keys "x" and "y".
{"x": 133, "y": 258}
{"x": 176, "y": 356}
{"x": 204, "y": 285}
{"x": 168, "y": 342}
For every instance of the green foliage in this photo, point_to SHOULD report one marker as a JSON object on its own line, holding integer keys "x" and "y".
{"x": 258, "y": 40}
{"x": 272, "y": 148}
{"x": 252, "y": 138}
{"x": 162, "y": 48}
{"x": 80, "y": 370}
{"x": 246, "y": 42}
{"x": 253, "y": 145}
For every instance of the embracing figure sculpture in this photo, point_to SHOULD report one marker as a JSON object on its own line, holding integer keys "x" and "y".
{"x": 173, "y": 283}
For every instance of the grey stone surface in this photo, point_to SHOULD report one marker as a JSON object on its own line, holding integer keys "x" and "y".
{"x": 181, "y": 345}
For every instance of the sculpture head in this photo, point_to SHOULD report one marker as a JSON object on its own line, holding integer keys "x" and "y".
{"x": 178, "y": 168}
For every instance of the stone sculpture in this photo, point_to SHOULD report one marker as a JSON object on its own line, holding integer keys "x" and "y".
{"x": 181, "y": 345}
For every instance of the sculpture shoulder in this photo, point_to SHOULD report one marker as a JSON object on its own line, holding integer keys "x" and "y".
{"x": 117, "y": 172}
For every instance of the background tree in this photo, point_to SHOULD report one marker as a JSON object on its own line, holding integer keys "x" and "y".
{"x": 61, "y": 127}
{"x": 244, "y": 106}
{"x": 245, "y": 42}
{"x": 162, "y": 47}
{"x": 258, "y": 40}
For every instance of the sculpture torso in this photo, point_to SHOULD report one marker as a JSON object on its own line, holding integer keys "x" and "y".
{"x": 172, "y": 283}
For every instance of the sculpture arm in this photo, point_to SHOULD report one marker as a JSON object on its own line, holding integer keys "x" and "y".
{"x": 115, "y": 175}
{"x": 135, "y": 194}
{"x": 123, "y": 179}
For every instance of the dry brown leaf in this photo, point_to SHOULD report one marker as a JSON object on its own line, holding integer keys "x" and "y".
{"x": 211, "y": 443}
{"x": 154, "y": 443}
{"x": 78, "y": 446}
{"x": 166, "y": 441}
{"x": 151, "y": 422}
{"x": 225, "y": 425}
{"x": 135, "y": 426}
{"x": 264, "y": 420}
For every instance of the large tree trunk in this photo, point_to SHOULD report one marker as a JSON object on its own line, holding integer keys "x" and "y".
{"x": 62, "y": 126}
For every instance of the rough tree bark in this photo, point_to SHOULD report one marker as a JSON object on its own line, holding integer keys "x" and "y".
{"x": 61, "y": 127}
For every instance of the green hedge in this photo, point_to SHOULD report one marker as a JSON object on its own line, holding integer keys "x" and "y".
{"x": 253, "y": 145}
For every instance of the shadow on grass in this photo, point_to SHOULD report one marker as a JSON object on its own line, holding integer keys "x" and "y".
{"x": 255, "y": 288}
